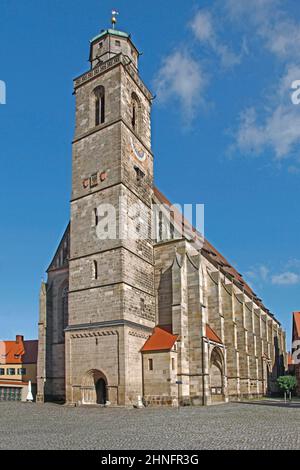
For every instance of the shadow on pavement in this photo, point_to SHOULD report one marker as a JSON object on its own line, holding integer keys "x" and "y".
{"x": 279, "y": 404}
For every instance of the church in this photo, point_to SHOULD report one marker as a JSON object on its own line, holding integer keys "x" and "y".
{"x": 155, "y": 315}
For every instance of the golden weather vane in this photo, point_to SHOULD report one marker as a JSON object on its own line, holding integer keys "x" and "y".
{"x": 114, "y": 14}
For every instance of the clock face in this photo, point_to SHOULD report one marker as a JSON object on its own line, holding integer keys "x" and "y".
{"x": 137, "y": 150}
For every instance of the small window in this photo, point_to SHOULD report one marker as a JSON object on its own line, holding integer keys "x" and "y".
{"x": 142, "y": 305}
{"x": 172, "y": 228}
{"x": 173, "y": 363}
{"x": 22, "y": 371}
{"x": 95, "y": 269}
{"x": 2, "y": 371}
{"x": 100, "y": 45}
{"x": 96, "y": 218}
{"x": 135, "y": 113}
{"x": 139, "y": 174}
{"x": 11, "y": 371}
{"x": 99, "y": 96}
{"x": 94, "y": 180}
{"x": 64, "y": 308}
{"x": 150, "y": 364}
{"x": 160, "y": 226}
{"x": 118, "y": 43}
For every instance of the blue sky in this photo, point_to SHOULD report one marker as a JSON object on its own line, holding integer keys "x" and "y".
{"x": 225, "y": 132}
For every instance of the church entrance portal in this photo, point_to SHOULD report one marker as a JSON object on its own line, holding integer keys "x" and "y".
{"x": 94, "y": 388}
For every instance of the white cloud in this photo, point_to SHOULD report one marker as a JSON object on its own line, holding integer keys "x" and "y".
{"x": 286, "y": 278}
{"x": 259, "y": 273}
{"x": 182, "y": 75}
{"x": 264, "y": 272}
{"x": 293, "y": 263}
{"x": 280, "y": 129}
{"x": 256, "y": 11}
{"x": 204, "y": 30}
{"x": 202, "y": 26}
{"x": 282, "y": 38}
{"x": 294, "y": 170}
{"x": 279, "y": 31}
{"x": 280, "y": 132}
{"x": 272, "y": 127}
{"x": 182, "y": 78}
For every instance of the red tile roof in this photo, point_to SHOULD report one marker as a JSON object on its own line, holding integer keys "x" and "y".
{"x": 160, "y": 340}
{"x": 18, "y": 351}
{"x": 296, "y": 316}
{"x": 11, "y": 352}
{"x": 212, "y": 336}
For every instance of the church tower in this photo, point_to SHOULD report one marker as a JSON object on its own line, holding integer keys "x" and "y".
{"x": 111, "y": 275}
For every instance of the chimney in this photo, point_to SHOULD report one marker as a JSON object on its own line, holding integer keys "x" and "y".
{"x": 19, "y": 339}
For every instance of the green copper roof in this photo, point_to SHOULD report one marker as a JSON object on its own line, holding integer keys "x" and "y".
{"x": 114, "y": 32}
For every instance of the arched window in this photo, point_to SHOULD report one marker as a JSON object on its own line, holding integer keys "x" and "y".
{"x": 65, "y": 307}
{"x": 135, "y": 113}
{"x": 99, "y": 93}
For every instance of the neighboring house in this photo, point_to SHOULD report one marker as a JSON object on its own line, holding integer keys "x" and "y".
{"x": 291, "y": 366}
{"x": 18, "y": 365}
{"x": 294, "y": 367}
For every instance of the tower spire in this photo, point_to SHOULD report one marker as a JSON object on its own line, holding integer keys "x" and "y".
{"x": 114, "y": 14}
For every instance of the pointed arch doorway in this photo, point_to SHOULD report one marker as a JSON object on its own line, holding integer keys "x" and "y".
{"x": 266, "y": 375}
{"x": 94, "y": 388}
{"x": 216, "y": 375}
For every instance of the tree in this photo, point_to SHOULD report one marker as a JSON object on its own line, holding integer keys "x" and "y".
{"x": 287, "y": 383}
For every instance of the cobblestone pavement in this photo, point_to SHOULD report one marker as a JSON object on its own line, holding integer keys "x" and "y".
{"x": 255, "y": 425}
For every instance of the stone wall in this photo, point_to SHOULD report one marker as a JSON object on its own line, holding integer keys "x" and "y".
{"x": 160, "y": 383}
